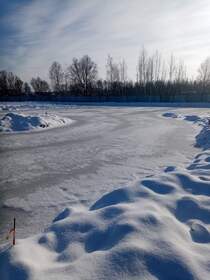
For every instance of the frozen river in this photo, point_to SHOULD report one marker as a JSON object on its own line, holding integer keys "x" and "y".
{"x": 105, "y": 148}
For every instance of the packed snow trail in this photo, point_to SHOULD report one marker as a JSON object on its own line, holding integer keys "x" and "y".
{"x": 156, "y": 229}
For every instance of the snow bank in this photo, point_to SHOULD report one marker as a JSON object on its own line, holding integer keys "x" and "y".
{"x": 157, "y": 229}
{"x": 203, "y": 138}
{"x": 191, "y": 118}
{"x": 16, "y": 122}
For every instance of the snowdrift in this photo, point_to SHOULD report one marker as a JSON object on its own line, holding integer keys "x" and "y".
{"x": 157, "y": 229}
{"x": 16, "y": 122}
{"x": 170, "y": 115}
{"x": 203, "y": 138}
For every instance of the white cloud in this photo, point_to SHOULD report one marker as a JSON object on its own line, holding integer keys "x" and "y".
{"x": 59, "y": 30}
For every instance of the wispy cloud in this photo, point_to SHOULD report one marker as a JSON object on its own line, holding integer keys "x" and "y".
{"x": 42, "y": 31}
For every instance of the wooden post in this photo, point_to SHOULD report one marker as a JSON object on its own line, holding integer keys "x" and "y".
{"x": 14, "y": 232}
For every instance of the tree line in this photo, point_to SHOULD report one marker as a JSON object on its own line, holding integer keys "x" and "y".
{"x": 154, "y": 76}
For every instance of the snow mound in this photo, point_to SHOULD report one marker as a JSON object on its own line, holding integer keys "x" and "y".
{"x": 157, "y": 229}
{"x": 203, "y": 138}
{"x": 170, "y": 115}
{"x": 192, "y": 118}
{"x": 15, "y": 122}
{"x": 8, "y": 108}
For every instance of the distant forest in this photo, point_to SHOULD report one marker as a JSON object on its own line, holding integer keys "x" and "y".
{"x": 157, "y": 80}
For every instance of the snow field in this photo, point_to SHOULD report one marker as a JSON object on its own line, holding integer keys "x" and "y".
{"x": 157, "y": 229}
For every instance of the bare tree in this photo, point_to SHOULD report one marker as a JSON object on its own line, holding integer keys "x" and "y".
{"x": 3, "y": 81}
{"x": 18, "y": 85}
{"x": 112, "y": 71}
{"x": 172, "y": 68}
{"x": 83, "y": 73}
{"x": 150, "y": 69}
{"x": 109, "y": 69}
{"x": 10, "y": 82}
{"x": 157, "y": 66}
{"x": 67, "y": 80}
{"x": 204, "y": 72}
{"x": 116, "y": 73}
{"x": 181, "y": 72}
{"x": 26, "y": 88}
{"x": 56, "y": 75}
{"x": 142, "y": 67}
{"x": 163, "y": 72}
{"x": 123, "y": 72}
{"x": 39, "y": 85}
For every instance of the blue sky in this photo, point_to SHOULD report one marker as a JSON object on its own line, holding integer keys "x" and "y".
{"x": 34, "y": 33}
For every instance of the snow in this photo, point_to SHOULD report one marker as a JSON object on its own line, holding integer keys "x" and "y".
{"x": 152, "y": 225}
{"x": 170, "y": 115}
{"x": 157, "y": 227}
{"x": 104, "y": 149}
{"x": 203, "y": 138}
{"x": 16, "y": 122}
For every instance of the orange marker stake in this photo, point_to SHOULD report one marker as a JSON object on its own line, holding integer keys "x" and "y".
{"x": 14, "y": 232}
